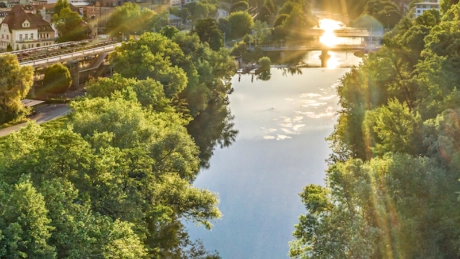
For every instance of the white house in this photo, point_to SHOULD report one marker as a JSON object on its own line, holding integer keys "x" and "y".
{"x": 23, "y": 30}
{"x": 423, "y": 6}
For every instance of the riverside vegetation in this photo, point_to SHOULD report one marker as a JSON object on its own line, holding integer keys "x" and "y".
{"x": 393, "y": 179}
{"x": 116, "y": 180}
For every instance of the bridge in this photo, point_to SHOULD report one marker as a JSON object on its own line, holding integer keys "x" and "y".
{"x": 345, "y": 32}
{"x": 312, "y": 47}
{"x": 76, "y": 55}
{"x": 83, "y": 58}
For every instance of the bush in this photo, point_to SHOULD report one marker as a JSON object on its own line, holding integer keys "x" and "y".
{"x": 265, "y": 63}
{"x": 57, "y": 79}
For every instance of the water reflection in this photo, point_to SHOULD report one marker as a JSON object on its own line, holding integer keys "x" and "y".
{"x": 264, "y": 76}
{"x": 280, "y": 147}
{"x": 213, "y": 126}
{"x": 328, "y": 25}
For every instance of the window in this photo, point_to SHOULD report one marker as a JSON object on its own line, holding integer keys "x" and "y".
{"x": 31, "y": 36}
{"x": 20, "y": 36}
{"x": 27, "y": 36}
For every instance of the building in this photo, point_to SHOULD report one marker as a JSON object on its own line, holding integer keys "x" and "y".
{"x": 46, "y": 11}
{"x": 23, "y": 30}
{"x": 423, "y": 6}
{"x": 98, "y": 15}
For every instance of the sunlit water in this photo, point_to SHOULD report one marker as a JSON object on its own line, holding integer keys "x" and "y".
{"x": 280, "y": 148}
{"x": 338, "y": 59}
{"x": 329, "y": 38}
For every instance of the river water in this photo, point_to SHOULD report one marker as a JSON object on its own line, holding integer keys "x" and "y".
{"x": 280, "y": 147}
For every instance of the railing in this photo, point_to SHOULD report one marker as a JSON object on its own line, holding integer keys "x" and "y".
{"x": 65, "y": 57}
{"x": 277, "y": 47}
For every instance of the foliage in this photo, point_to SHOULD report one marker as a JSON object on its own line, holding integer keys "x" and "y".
{"x": 392, "y": 182}
{"x": 70, "y": 25}
{"x": 261, "y": 32}
{"x": 129, "y": 19}
{"x": 15, "y": 83}
{"x": 169, "y": 31}
{"x": 60, "y": 4}
{"x": 209, "y": 32}
{"x": 151, "y": 50}
{"x": 239, "y": 6}
{"x": 264, "y": 63}
{"x": 240, "y": 23}
{"x": 201, "y": 9}
{"x": 57, "y": 79}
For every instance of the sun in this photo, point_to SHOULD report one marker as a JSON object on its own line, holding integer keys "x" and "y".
{"x": 329, "y": 39}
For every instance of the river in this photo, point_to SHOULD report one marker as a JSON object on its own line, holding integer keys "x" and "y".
{"x": 280, "y": 147}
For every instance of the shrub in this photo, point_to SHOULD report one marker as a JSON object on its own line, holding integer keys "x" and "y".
{"x": 57, "y": 79}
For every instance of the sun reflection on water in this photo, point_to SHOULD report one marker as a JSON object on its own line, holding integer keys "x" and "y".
{"x": 329, "y": 25}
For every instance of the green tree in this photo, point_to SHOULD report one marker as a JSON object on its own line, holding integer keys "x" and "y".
{"x": 239, "y": 6}
{"x": 57, "y": 79}
{"x": 209, "y": 32}
{"x": 60, "y": 4}
{"x": 169, "y": 31}
{"x": 264, "y": 63}
{"x": 129, "y": 19}
{"x": 148, "y": 92}
{"x": 25, "y": 226}
{"x": 151, "y": 49}
{"x": 241, "y": 24}
{"x": 15, "y": 83}
{"x": 70, "y": 25}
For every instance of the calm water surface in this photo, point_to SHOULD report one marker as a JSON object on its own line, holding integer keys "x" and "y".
{"x": 280, "y": 148}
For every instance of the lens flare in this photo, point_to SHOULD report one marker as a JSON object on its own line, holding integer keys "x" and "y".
{"x": 328, "y": 25}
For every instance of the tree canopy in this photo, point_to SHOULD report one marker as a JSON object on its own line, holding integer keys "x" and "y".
{"x": 394, "y": 167}
{"x": 15, "y": 83}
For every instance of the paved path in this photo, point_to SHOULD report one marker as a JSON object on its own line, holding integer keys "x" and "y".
{"x": 49, "y": 113}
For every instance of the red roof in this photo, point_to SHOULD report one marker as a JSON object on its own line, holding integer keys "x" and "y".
{"x": 17, "y": 16}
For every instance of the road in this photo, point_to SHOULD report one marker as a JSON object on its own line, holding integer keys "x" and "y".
{"x": 48, "y": 113}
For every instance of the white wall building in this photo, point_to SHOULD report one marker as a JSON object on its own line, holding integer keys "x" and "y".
{"x": 423, "y": 6}
{"x": 23, "y": 30}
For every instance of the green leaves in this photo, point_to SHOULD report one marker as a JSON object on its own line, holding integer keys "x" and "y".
{"x": 15, "y": 83}
{"x": 69, "y": 25}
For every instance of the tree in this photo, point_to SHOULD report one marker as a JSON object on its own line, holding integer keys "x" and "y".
{"x": 169, "y": 31}
{"x": 9, "y": 48}
{"x": 261, "y": 31}
{"x": 15, "y": 83}
{"x": 60, "y": 4}
{"x": 148, "y": 92}
{"x": 264, "y": 63}
{"x": 151, "y": 49}
{"x": 24, "y": 223}
{"x": 129, "y": 19}
{"x": 239, "y": 6}
{"x": 209, "y": 32}
{"x": 70, "y": 25}
{"x": 57, "y": 79}
{"x": 202, "y": 9}
{"x": 241, "y": 24}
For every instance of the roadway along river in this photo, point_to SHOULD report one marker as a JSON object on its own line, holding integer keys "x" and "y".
{"x": 281, "y": 147}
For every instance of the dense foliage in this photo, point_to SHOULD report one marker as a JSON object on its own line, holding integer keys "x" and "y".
{"x": 392, "y": 183}
{"x": 15, "y": 83}
{"x": 69, "y": 24}
{"x": 57, "y": 79}
{"x": 116, "y": 181}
